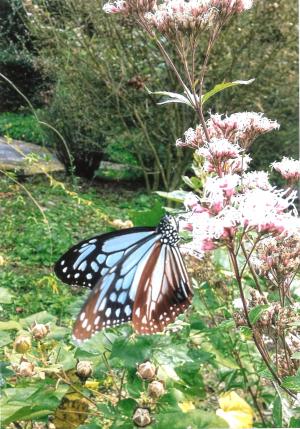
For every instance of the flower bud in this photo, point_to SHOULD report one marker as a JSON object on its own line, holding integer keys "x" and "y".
{"x": 39, "y": 330}
{"x": 22, "y": 344}
{"x": 24, "y": 368}
{"x": 146, "y": 371}
{"x": 141, "y": 417}
{"x": 156, "y": 389}
{"x": 84, "y": 369}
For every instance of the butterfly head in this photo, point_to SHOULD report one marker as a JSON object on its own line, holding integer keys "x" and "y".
{"x": 168, "y": 228}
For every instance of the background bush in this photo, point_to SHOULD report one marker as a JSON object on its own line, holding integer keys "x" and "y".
{"x": 17, "y": 59}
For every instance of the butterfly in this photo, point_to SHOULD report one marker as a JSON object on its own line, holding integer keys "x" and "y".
{"x": 136, "y": 274}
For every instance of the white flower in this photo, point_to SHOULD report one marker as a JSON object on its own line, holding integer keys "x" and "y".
{"x": 289, "y": 168}
{"x": 257, "y": 179}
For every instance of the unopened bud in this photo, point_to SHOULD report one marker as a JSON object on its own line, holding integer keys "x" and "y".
{"x": 141, "y": 417}
{"x": 24, "y": 368}
{"x": 39, "y": 330}
{"x": 156, "y": 389}
{"x": 84, "y": 369}
{"x": 22, "y": 344}
{"x": 146, "y": 371}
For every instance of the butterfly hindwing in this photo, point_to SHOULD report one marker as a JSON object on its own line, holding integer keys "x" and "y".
{"x": 86, "y": 262}
{"x": 163, "y": 293}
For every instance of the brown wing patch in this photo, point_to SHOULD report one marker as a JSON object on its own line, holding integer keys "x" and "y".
{"x": 163, "y": 292}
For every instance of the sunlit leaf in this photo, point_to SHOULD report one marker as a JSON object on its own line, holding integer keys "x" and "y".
{"x": 256, "y": 313}
{"x": 6, "y": 296}
{"x": 177, "y": 196}
{"x": 221, "y": 86}
{"x": 277, "y": 412}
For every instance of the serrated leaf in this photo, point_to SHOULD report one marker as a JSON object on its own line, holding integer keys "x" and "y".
{"x": 256, "y": 313}
{"x": 277, "y": 412}
{"x": 6, "y": 296}
{"x": 292, "y": 383}
{"x": 4, "y": 339}
{"x": 176, "y": 196}
{"x": 221, "y": 86}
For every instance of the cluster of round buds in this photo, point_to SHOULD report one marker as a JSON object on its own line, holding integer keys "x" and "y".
{"x": 174, "y": 16}
{"x": 24, "y": 368}
{"x": 288, "y": 168}
{"x": 84, "y": 369}
{"x": 39, "y": 330}
{"x": 278, "y": 259}
{"x": 129, "y": 7}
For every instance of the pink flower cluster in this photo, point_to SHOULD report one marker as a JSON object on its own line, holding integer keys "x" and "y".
{"x": 127, "y": 7}
{"x": 242, "y": 128}
{"x": 181, "y": 16}
{"x": 225, "y": 210}
{"x": 288, "y": 168}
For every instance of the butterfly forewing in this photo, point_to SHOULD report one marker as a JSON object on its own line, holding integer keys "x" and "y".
{"x": 86, "y": 262}
{"x": 163, "y": 293}
{"x": 111, "y": 301}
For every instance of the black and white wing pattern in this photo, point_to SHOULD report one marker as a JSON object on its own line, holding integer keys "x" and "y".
{"x": 148, "y": 285}
{"x": 88, "y": 261}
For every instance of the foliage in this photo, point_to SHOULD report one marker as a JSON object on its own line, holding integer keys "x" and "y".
{"x": 100, "y": 96}
{"x": 17, "y": 60}
{"x": 21, "y": 127}
{"x": 85, "y": 43}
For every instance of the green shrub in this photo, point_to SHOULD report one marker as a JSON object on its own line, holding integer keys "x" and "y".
{"x": 21, "y": 127}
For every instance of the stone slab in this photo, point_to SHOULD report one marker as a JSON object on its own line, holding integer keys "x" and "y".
{"x": 27, "y": 158}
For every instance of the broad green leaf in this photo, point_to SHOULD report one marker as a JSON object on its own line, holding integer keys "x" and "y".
{"x": 6, "y": 296}
{"x": 292, "y": 383}
{"x": 10, "y": 325}
{"x": 246, "y": 333}
{"x": 221, "y": 86}
{"x": 192, "y": 182}
{"x": 5, "y": 338}
{"x": 41, "y": 317}
{"x": 277, "y": 412}
{"x": 256, "y": 313}
{"x": 127, "y": 406}
{"x": 177, "y": 196}
{"x": 196, "y": 419}
{"x": 294, "y": 423}
{"x": 296, "y": 355}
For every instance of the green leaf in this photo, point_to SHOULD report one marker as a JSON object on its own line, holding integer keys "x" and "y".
{"x": 4, "y": 339}
{"x": 196, "y": 419}
{"x": 10, "y": 325}
{"x": 296, "y": 355}
{"x": 41, "y": 317}
{"x": 277, "y": 412}
{"x": 172, "y": 97}
{"x": 6, "y": 296}
{"x": 221, "y": 86}
{"x": 127, "y": 406}
{"x": 177, "y": 196}
{"x": 246, "y": 333}
{"x": 294, "y": 423}
{"x": 256, "y": 313}
{"x": 292, "y": 382}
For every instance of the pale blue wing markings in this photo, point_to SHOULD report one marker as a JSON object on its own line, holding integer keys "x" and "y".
{"x": 95, "y": 267}
{"x": 113, "y": 258}
{"x": 104, "y": 271}
{"x": 83, "y": 255}
{"x": 122, "y": 242}
{"x": 122, "y": 297}
{"x": 127, "y": 280}
{"x": 113, "y": 297}
{"x": 107, "y": 281}
{"x": 137, "y": 254}
{"x": 101, "y": 258}
{"x": 119, "y": 283}
{"x": 82, "y": 266}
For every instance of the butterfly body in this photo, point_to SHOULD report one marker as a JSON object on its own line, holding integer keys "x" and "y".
{"x": 136, "y": 274}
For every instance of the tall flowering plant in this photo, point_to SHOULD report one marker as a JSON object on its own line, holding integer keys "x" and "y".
{"x": 230, "y": 206}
